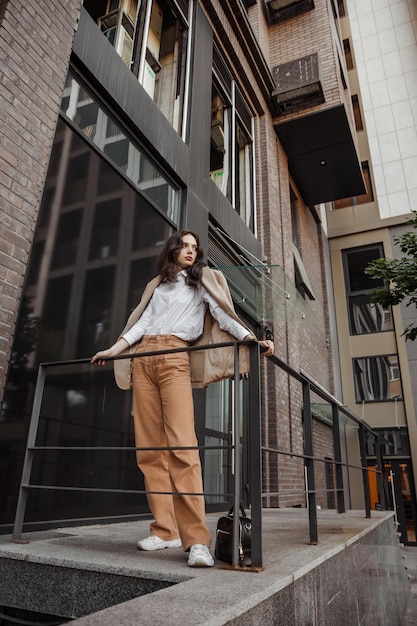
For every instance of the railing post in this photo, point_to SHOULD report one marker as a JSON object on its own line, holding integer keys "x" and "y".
{"x": 27, "y": 464}
{"x": 338, "y": 458}
{"x": 308, "y": 451}
{"x": 380, "y": 477}
{"x": 255, "y": 456}
{"x": 236, "y": 458}
{"x": 365, "y": 477}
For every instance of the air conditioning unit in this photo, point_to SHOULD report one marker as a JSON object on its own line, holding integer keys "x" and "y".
{"x": 297, "y": 83}
{"x": 280, "y": 10}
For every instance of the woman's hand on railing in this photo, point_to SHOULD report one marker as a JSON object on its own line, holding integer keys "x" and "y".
{"x": 266, "y": 346}
{"x": 100, "y": 357}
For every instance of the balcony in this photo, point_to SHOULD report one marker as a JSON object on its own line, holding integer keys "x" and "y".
{"x": 280, "y": 10}
{"x": 298, "y": 84}
{"x": 322, "y": 156}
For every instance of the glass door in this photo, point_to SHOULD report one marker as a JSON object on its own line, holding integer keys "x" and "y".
{"x": 400, "y": 497}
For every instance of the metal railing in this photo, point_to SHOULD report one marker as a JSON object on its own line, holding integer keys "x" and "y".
{"x": 255, "y": 447}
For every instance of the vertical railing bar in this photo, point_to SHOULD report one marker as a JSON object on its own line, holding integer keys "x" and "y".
{"x": 27, "y": 463}
{"x": 237, "y": 459}
{"x": 380, "y": 474}
{"x": 365, "y": 476}
{"x": 338, "y": 458}
{"x": 255, "y": 455}
{"x": 308, "y": 451}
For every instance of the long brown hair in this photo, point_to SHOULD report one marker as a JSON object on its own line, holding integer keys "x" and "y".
{"x": 167, "y": 262}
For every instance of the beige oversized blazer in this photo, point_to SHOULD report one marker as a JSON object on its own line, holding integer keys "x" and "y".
{"x": 207, "y": 366}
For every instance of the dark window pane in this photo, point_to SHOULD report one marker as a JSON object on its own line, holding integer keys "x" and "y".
{"x": 66, "y": 243}
{"x": 99, "y": 127}
{"x": 357, "y": 260}
{"x": 108, "y": 180}
{"x": 348, "y": 54}
{"x": 139, "y": 275}
{"x": 118, "y": 152}
{"x": 32, "y": 275}
{"x": 149, "y": 230}
{"x": 104, "y": 238}
{"x": 71, "y": 312}
{"x": 96, "y": 312}
{"x": 357, "y": 113}
{"x": 76, "y": 179}
{"x": 55, "y": 159}
{"x": 341, "y": 7}
{"x": 46, "y": 206}
{"x": 368, "y": 196}
{"x": 394, "y": 442}
{"x": 54, "y": 319}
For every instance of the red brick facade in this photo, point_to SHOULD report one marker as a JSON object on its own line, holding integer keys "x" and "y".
{"x": 35, "y": 45}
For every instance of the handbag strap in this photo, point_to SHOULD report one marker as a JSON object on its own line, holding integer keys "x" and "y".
{"x": 242, "y": 511}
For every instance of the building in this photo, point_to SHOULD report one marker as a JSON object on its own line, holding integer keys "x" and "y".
{"x": 120, "y": 123}
{"x": 378, "y": 369}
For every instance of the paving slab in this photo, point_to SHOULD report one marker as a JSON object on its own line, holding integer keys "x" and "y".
{"x": 192, "y": 596}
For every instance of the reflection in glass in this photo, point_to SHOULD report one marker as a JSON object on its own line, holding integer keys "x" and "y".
{"x": 104, "y": 238}
{"x": 76, "y": 187}
{"x": 118, "y": 27}
{"x": 219, "y": 145}
{"x": 84, "y": 277}
{"x": 95, "y": 313}
{"x": 97, "y": 124}
{"x": 377, "y": 378}
{"x": 243, "y": 177}
{"x": 68, "y": 234}
{"x": 140, "y": 270}
{"x": 54, "y": 318}
{"x": 393, "y": 441}
{"x": 80, "y": 408}
{"x": 367, "y": 316}
{"x": 163, "y": 68}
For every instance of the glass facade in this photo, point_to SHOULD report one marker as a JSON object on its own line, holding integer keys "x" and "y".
{"x": 87, "y": 113}
{"x": 96, "y": 242}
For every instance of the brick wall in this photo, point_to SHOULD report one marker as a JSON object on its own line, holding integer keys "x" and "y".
{"x": 313, "y": 32}
{"x": 323, "y": 446}
{"x": 36, "y": 39}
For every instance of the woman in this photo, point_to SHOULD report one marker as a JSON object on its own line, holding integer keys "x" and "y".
{"x": 187, "y": 303}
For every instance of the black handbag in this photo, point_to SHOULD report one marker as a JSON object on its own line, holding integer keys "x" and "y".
{"x": 224, "y": 538}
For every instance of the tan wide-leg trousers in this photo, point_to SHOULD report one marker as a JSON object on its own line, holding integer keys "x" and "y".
{"x": 164, "y": 416}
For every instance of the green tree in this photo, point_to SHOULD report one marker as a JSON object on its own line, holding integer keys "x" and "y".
{"x": 399, "y": 275}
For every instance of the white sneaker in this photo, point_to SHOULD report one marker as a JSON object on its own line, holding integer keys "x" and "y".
{"x": 155, "y": 543}
{"x": 200, "y": 556}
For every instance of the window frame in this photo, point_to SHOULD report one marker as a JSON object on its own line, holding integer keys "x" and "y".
{"x": 173, "y": 96}
{"x": 366, "y": 291}
{"x": 242, "y": 120}
{"x": 358, "y": 384}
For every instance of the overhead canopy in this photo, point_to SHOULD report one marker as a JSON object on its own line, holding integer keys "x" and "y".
{"x": 266, "y": 294}
{"x": 322, "y": 156}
